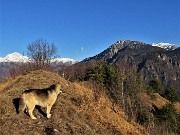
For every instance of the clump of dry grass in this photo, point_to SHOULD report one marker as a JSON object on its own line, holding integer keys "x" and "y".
{"x": 159, "y": 101}
{"x": 177, "y": 106}
{"x": 81, "y": 109}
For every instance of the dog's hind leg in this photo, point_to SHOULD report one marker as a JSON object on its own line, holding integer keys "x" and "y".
{"x": 22, "y": 105}
{"x": 30, "y": 108}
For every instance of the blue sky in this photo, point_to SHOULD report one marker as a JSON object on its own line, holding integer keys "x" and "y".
{"x": 84, "y": 28}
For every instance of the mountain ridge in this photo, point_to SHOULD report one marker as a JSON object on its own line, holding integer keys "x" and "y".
{"x": 147, "y": 60}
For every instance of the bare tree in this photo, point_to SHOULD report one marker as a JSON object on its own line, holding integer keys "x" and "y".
{"x": 41, "y": 52}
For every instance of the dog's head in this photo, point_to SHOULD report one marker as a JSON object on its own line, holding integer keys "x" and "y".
{"x": 58, "y": 88}
{"x": 61, "y": 88}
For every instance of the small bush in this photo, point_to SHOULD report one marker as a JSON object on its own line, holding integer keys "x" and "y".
{"x": 142, "y": 117}
{"x": 169, "y": 117}
{"x": 156, "y": 86}
{"x": 171, "y": 94}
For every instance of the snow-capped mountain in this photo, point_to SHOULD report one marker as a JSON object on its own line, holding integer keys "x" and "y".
{"x": 167, "y": 46}
{"x": 15, "y": 57}
{"x": 64, "y": 60}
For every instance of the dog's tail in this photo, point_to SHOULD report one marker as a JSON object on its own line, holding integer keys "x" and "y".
{"x": 22, "y": 104}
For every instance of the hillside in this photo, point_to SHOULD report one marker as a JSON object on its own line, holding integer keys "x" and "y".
{"x": 79, "y": 110}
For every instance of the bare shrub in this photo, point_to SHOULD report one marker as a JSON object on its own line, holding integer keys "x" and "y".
{"x": 41, "y": 52}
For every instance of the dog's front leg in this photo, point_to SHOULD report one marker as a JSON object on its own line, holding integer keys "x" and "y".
{"x": 49, "y": 110}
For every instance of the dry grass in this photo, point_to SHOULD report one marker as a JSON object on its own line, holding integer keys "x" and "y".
{"x": 8, "y": 83}
{"x": 159, "y": 101}
{"x": 79, "y": 110}
{"x": 145, "y": 99}
{"x": 177, "y": 106}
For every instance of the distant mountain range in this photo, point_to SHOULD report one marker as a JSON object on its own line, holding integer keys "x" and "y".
{"x": 149, "y": 60}
{"x": 16, "y": 58}
{"x": 160, "y": 60}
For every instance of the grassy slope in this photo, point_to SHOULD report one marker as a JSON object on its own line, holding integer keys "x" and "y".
{"x": 157, "y": 101}
{"x": 79, "y": 110}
